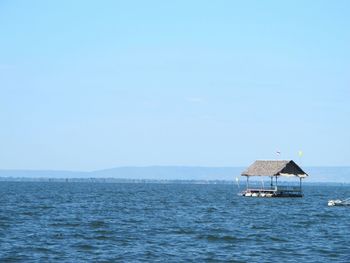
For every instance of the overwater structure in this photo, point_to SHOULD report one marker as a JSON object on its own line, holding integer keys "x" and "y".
{"x": 275, "y": 169}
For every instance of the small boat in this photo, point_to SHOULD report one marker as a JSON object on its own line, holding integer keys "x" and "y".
{"x": 338, "y": 202}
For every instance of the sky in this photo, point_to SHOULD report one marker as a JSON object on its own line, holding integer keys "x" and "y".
{"x": 87, "y": 85}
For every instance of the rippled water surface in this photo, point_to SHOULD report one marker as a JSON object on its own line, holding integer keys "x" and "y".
{"x": 97, "y": 222}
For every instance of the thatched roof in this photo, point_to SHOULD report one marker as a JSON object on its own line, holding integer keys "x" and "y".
{"x": 274, "y": 168}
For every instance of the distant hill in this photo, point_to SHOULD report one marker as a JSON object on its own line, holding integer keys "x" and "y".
{"x": 329, "y": 174}
{"x": 317, "y": 174}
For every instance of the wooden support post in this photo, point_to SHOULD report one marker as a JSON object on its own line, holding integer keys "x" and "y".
{"x": 276, "y": 182}
{"x": 271, "y": 182}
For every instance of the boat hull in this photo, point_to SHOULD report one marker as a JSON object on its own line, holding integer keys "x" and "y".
{"x": 338, "y": 203}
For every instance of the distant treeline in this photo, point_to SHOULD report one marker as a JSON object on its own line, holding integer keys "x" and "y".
{"x": 111, "y": 180}
{"x": 167, "y": 174}
{"x": 240, "y": 184}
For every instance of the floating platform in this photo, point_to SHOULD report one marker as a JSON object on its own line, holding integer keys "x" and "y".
{"x": 274, "y": 170}
{"x": 279, "y": 192}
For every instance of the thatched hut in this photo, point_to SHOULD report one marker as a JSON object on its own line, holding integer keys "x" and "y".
{"x": 274, "y": 170}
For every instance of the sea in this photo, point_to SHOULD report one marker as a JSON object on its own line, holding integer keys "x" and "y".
{"x": 152, "y": 222}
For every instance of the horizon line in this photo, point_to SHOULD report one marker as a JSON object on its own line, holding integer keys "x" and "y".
{"x": 149, "y": 166}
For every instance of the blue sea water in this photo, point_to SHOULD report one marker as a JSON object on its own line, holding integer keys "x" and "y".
{"x": 107, "y": 222}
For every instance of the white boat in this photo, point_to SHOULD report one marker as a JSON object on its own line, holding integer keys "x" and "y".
{"x": 338, "y": 202}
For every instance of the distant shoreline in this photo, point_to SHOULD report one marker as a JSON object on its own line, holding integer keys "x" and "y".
{"x": 160, "y": 174}
{"x": 144, "y": 181}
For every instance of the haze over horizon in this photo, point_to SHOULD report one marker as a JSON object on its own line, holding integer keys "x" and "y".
{"x": 316, "y": 174}
{"x": 91, "y": 85}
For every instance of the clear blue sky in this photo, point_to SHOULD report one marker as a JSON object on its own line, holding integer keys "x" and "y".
{"x": 95, "y": 84}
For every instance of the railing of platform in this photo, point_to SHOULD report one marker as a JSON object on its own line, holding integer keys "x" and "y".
{"x": 260, "y": 190}
{"x": 289, "y": 188}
